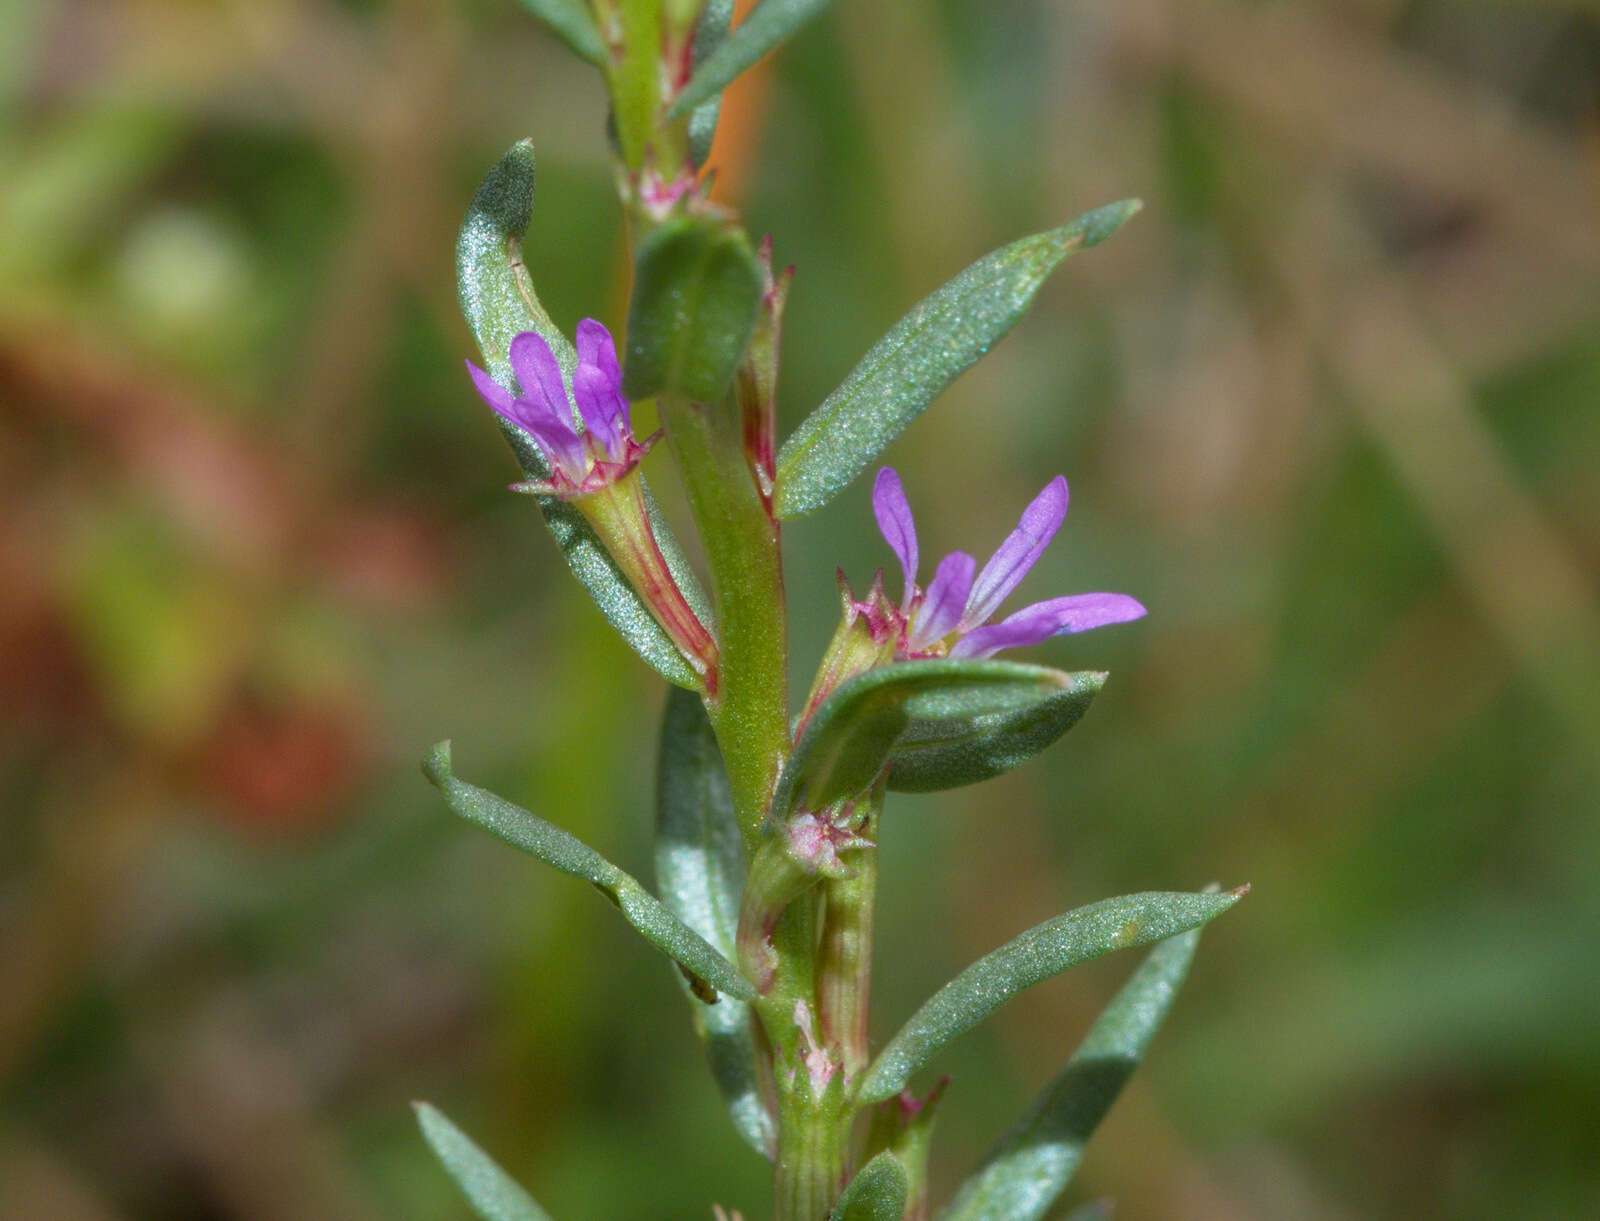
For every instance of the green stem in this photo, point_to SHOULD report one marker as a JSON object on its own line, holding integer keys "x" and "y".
{"x": 748, "y": 702}
{"x": 813, "y": 1151}
{"x": 844, "y": 969}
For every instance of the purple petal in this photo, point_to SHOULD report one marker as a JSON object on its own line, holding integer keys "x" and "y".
{"x": 554, "y": 435}
{"x": 559, "y": 440}
{"x": 539, "y": 374}
{"x": 893, "y": 511}
{"x": 597, "y": 385}
{"x": 1020, "y": 551}
{"x": 597, "y": 348}
{"x": 941, "y": 606}
{"x": 1055, "y": 617}
{"x": 491, "y": 391}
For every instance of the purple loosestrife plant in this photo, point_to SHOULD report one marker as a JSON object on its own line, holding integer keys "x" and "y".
{"x": 766, "y": 856}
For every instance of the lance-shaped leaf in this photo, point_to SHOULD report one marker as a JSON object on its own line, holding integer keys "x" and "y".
{"x": 715, "y": 20}
{"x": 877, "y": 1193}
{"x": 1044, "y": 950}
{"x": 925, "y": 351}
{"x": 573, "y": 23}
{"x": 493, "y": 1194}
{"x": 499, "y": 301}
{"x": 1033, "y": 1163}
{"x": 932, "y": 755}
{"x": 570, "y": 855}
{"x": 696, "y": 295}
{"x": 700, "y": 873}
{"x": 858, "y": 729}
{"x": 769, "y": 23}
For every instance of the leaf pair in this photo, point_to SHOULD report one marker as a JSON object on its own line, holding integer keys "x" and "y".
{"x": 934, "y": 724}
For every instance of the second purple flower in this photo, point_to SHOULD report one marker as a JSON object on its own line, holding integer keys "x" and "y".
{"x": 950, "y": 617}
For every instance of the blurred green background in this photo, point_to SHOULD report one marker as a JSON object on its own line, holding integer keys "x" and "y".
{"x": 1330, "y": 406}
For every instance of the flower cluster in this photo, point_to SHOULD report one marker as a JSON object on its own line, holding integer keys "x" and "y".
{"x": 950, "y": 618}
{"x": 579, "y": 463}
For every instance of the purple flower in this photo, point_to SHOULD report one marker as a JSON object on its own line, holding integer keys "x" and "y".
{"x": 951, "y": 616}
{"x": 583, "y": 462}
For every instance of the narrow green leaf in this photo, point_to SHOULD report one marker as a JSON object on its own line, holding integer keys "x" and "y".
{"x": 700, "y": 873}
{"x": 769, "y": 23}
{"x": 933, "y": 707}
{"x": 558, "y": 848}
{"x": 499, "y": 301}
{"x": 1041, "y": 952}
{"x": 573, "y": 23}
{"x": 877, "y": 1193}
{"x": 493, "y": 1194}
{"x": 925, "y": 351}
{"x": 932, "y": 755}
{"x": 1033, "y": 1163}
{"x": 696, "y": 296}
{"x": 715, "y": 20}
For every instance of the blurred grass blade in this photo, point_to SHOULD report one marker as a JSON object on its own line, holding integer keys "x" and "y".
{"x": 499, "y": 301}
{"x": 1033, "y": 1163}
{"x": 877, "y": 1193}
{"x": 696, "y": 296}
{"x": 935, "y": 754}
{"x": 493, "y": 1194}
{"x": 700, "y": 873}
{"x": 715, "y": 20}
{"x": 1094, "y": 1210}
{"x": 950, "y": 713}
{"x": 942, "y": 336}
{"x": 572, "y": 856}
{"x": 769, "y": 23}
{"x": 1044, "y": 950}
{"x": 573, "y": 23}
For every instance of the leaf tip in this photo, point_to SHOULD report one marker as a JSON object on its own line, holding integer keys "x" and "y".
{"x": 436, "y": 765}
{"x": 1103, "y": 222}
{"x": 1239, "y": 892}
